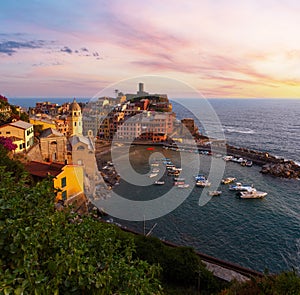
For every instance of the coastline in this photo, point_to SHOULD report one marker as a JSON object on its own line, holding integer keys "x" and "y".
{"x": 277, "y": 167}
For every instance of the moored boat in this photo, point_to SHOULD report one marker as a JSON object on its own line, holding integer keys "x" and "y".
{"x": 253, "y": 194}
{"x": 203, "y": 183}
{"x": 239, "y": 187}
{"x": 159, "y": 182}
{"x": 153, "y": 175}
{"x": 214, "y": 193}
{"x": 186, "y": 185}
{"x": 179, "y": 182}
{"x": 228, "y": 180}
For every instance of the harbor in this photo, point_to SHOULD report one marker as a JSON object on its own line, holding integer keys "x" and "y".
{"x": 213, "y": 228}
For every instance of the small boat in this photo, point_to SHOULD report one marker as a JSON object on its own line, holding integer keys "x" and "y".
{"x": 227, "y": 158}
{"x": 179, "y": 179}
{"x": 186, "y": 185}
{"x": 155, "y": 170}
{"x": 155, "y": 164}
{"x": 203, "y": 183}
{"x": 200, "y": 177}
{"x": 178, "y": 182}
{"x": 176, "y": 173}
{"x": 153, "y": 175}
{"x": 228, "y": 180}
{"x": 239, "y": 187}
{"x": 159, "y": 182}
{"x": 252, "y": 194}
{"x": 214, "y": 193}
{"x": 249, "y": 163}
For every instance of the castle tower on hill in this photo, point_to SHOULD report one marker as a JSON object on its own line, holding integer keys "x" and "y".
{"x": 74, "y": 119}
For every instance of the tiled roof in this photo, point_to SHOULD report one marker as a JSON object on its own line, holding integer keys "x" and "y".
{"x": 43, "y": 169}
{"x": 50, "y": 131}
{"x": 83, "y": 139}
{"x": 21, "y": 124}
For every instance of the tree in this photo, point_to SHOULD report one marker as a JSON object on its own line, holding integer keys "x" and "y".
{"x": 44, "y": 251}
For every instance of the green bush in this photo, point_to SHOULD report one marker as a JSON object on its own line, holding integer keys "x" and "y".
{"x": 48, "y": 252}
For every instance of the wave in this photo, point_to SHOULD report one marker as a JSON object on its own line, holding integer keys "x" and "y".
{"x": 243, "y": 130}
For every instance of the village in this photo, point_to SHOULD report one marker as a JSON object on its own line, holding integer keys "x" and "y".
{"x": 64, "y": 141}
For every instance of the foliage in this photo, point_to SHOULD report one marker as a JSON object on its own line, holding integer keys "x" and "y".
{"x": 180, "y": 265}
{"x": 44, "y": 251}
{"x": 15, "y": 167}
{"x": 287, "y": 283}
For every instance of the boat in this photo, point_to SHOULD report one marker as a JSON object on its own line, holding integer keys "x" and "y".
{"x": 237, "y": 160}
{"x": 214, "y": 193}
{"x": 159, "y": 182}
{"x": 239, "y": 187}
{"x": 153, "y": 175}
{"x": 155, "y": 170}
{"x": 228, "y": 180}
{"x": 175, "y": 172}
{"x": 155, "y": 164}
{"x": 179, "y": 179}
{"x": 178, "y": 182}
{"x": 203, "y": 183}
{"x": 200, "y": 177}
{"x": 252, "y": 194}
{"x": 186, "y": 185}
{"x": 249, "y": 163}
{"x": 227, "y": 158}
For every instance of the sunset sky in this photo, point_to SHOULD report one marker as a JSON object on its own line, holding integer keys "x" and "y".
{"x": 65, "y": 48}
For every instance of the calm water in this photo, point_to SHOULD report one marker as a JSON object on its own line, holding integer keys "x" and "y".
{"x": 258, "y": 234}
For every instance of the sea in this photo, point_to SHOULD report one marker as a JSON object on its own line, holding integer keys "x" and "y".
{"x": 260, "y": 234}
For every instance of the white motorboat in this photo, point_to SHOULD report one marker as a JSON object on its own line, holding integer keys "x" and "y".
{"x": 179, "y": 182}
{"x": 153, "y": 175}
{"x": 239, "y": 187}
{"x": 203, "y": 183}
{"x": 186, "y": 185}
{"x": 252, "y": 194}
{"x": 161, "y": 182}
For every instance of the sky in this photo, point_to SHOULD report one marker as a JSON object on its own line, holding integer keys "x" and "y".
{"x": 220, "y": 48}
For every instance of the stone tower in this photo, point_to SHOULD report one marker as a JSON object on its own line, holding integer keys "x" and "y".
{"x": 75, "y": 119}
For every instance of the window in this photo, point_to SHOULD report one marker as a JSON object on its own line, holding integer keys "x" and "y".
{"x": 74, "y": 123}
{"x": 20, "y": 146}
{"x": 64, "y": 195}
{"x": 7, "y": 132}
{"x": 63, "y": 182}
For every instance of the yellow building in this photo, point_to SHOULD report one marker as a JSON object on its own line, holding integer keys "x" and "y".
{"x": 20, "y": 132}
{"x": 42, "y": 122}
{"x": 68, "y": 179}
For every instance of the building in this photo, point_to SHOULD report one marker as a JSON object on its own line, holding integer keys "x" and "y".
{"x": 21, "y": 133}
{"x": 155, "y": 127}
{"x": 74, "y": 119}
{"x": 67, "y": 179}
{"x": 189, "y": 123}
{"x": 53, "y": 146}
{"x": 43, "y": 121}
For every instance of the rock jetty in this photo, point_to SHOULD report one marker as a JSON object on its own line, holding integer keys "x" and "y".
{"x": 287, "y": 169}
{"x": 272, "y": 165}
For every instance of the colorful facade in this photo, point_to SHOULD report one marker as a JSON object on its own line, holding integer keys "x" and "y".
{"x": 21, "y": 133}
